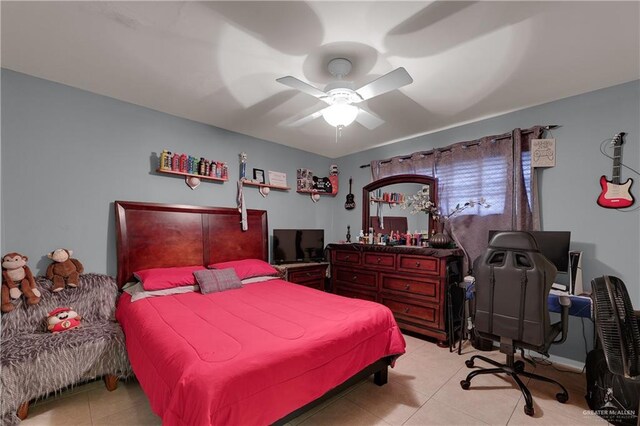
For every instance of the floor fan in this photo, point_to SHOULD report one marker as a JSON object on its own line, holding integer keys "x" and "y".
{"x": 613, "y": 387}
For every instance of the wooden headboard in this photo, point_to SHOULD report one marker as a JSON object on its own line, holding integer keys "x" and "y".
{"x": 152, "y": 235}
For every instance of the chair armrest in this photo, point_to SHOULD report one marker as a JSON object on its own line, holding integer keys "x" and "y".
{"x": 565, "y": 303}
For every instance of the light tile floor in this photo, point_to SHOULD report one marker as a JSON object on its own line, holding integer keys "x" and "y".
{"x": 423, "y": 389}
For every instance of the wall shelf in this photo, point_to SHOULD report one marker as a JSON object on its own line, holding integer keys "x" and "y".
{"x": 310, "y": 191}
{"x": 192, "y": 180}
{"x": 381, "y": 201}
{"x": 265, "y": 185}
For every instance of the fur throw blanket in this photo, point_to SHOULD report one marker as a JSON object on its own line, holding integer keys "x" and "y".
{"x": 35, "y": 363}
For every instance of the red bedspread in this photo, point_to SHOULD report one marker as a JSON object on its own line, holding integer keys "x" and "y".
{"x": 251, "y": 355}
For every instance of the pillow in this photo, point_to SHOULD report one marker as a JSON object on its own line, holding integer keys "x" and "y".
{"x": 137, "y": 292}
{"x": 215, "y": 280}
{"x": 161, "y": 278}
{"x": 247, "y": 268}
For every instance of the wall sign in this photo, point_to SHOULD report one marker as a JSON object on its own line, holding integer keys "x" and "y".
{"x": 543, "y": 153}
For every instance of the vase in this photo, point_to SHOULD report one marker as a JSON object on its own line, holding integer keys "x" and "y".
{"x": 439, "y": 239}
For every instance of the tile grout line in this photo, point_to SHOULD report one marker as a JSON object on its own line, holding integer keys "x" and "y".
{"x": 455, "y": 408}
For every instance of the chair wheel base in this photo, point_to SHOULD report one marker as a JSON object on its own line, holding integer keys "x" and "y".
{"x": 562, "y": 397}
{"x": 465, "y": 384}
{"x": 469, "y": 363}
{"x": 528, "y": 410}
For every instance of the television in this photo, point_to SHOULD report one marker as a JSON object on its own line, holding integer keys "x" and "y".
{"x": 298, "y": 245}
{"x": 554, "y": 245}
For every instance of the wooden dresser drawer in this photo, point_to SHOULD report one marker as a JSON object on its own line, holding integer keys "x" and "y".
{"x": 355, "y": 294}
{"x": 313, "y": 274}
{"x": 380, "y": 260}
{"x": 405, "y": 310}
{"x": 429, "y": 288}
{"x": 349, "y": 257}
{"x": 427, "y": 265}
{"x": 356, "y": 277}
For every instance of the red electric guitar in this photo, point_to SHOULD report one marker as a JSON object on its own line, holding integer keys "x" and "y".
{"x": 615, "y": 195}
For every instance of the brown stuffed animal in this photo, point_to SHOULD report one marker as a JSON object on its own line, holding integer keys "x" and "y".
{"x": 17, "y": 279}
{"x": 64, "y": 270}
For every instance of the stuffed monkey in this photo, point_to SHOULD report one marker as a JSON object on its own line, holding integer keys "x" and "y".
{"x": 17, "y": 279}
{"x": 64, "y": 269}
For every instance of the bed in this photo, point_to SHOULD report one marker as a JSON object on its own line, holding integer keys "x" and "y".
{"x": 260, "y": 354}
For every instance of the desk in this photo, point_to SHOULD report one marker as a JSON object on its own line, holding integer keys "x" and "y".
{"x": 580, "y": 305}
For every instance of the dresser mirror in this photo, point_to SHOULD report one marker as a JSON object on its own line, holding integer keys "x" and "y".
{"x": 382, "y": 208}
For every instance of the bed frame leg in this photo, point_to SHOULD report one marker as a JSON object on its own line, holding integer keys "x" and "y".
{"x": 23, "y": 410}
{"x": 110, "y": 382}
{"x": 380, "y": 377}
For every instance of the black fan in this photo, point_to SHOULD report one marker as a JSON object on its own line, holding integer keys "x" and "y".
{"x": 617, "y": 326}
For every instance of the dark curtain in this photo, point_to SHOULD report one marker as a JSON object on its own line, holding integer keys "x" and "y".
{"x": 496, "y": 168}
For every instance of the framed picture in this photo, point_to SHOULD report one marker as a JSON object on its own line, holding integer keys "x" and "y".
{"x": 258, "y": 174}
{"x": 277, "y": 178}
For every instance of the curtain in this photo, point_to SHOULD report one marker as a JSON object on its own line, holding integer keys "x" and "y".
{"x": 496, "y": 168}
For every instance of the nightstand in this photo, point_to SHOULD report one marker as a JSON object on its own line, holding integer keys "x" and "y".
{"x": 307, "y": 274}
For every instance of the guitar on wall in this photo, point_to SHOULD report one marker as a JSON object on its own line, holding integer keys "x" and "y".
{"x": 350, "y": 204}
{"x": 615, "y": 195}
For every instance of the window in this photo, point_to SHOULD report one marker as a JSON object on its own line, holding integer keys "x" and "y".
{"x": 469, "y": 180}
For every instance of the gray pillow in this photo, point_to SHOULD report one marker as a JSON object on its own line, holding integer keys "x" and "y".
{"x": 214, "y": 280}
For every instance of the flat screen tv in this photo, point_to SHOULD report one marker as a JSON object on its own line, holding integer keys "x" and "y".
{"x": 298, "y": 245}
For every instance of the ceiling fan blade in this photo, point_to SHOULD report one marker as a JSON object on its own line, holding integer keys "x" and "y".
{"x": 368, "y": 119}
{"x": 388, "y": 82}
{"x": 306, "y": 119}
{"x": 301, "y": 86}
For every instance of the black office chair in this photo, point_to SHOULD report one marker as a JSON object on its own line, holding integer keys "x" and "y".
{"x": 513, "y": 280}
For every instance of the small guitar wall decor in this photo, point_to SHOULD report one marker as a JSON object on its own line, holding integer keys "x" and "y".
{"x": 615, "y": 195}
{"x": 350, "y": 204}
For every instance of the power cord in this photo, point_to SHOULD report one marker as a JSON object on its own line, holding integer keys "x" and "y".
{"x": 545, "y": 361}
{"x": 603, "y": 152}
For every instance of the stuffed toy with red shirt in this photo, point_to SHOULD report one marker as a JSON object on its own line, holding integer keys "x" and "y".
{"x": 64, "y": 269}
{"x": 63, "y": 319}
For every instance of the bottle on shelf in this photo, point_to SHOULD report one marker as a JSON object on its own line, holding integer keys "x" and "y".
{"x": 175, "y": 162}
{"x": 183, "y": 163}
{"x": 165, "y": 159}
{"x": 201, "y": 166}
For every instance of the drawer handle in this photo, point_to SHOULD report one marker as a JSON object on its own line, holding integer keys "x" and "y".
{"x": 379, "y": 260}
{"x": 407, "y": 287}
{"x": 347, "y": 257}
{"x": 355, "y": 277}
{"x": 308, "y": 274}
{"x": 417, "y": 264}
{"x": 406, "y": 310}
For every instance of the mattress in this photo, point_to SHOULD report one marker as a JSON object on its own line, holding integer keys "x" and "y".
{"x": 250, "y": 355}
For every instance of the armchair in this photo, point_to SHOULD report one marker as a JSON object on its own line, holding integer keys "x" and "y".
{"x": 513, "y": 280}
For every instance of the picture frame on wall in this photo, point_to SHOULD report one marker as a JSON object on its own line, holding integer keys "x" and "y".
{"x": 277, "y": 178}
{"x": 258, "y": 174}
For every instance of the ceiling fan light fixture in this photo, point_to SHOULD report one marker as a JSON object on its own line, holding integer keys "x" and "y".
{"x": 340, "y": 114}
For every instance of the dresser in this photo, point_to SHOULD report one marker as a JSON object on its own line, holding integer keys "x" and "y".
{"x": 413, "y": 282}
{"x": 307, "y": 274}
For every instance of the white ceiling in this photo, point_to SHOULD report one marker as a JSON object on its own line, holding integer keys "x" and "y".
{"x": 216, "y": 62}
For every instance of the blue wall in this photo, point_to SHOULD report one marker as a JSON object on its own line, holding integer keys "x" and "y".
{"x": 67, "y": 154}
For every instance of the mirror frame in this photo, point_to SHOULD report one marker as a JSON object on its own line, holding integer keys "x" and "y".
{"x": 391, "y": 180}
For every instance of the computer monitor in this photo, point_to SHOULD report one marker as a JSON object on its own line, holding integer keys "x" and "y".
{"x": 554, "y": 245}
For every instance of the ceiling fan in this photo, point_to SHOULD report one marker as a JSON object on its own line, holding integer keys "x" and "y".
{"x": 342, "y": 98}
